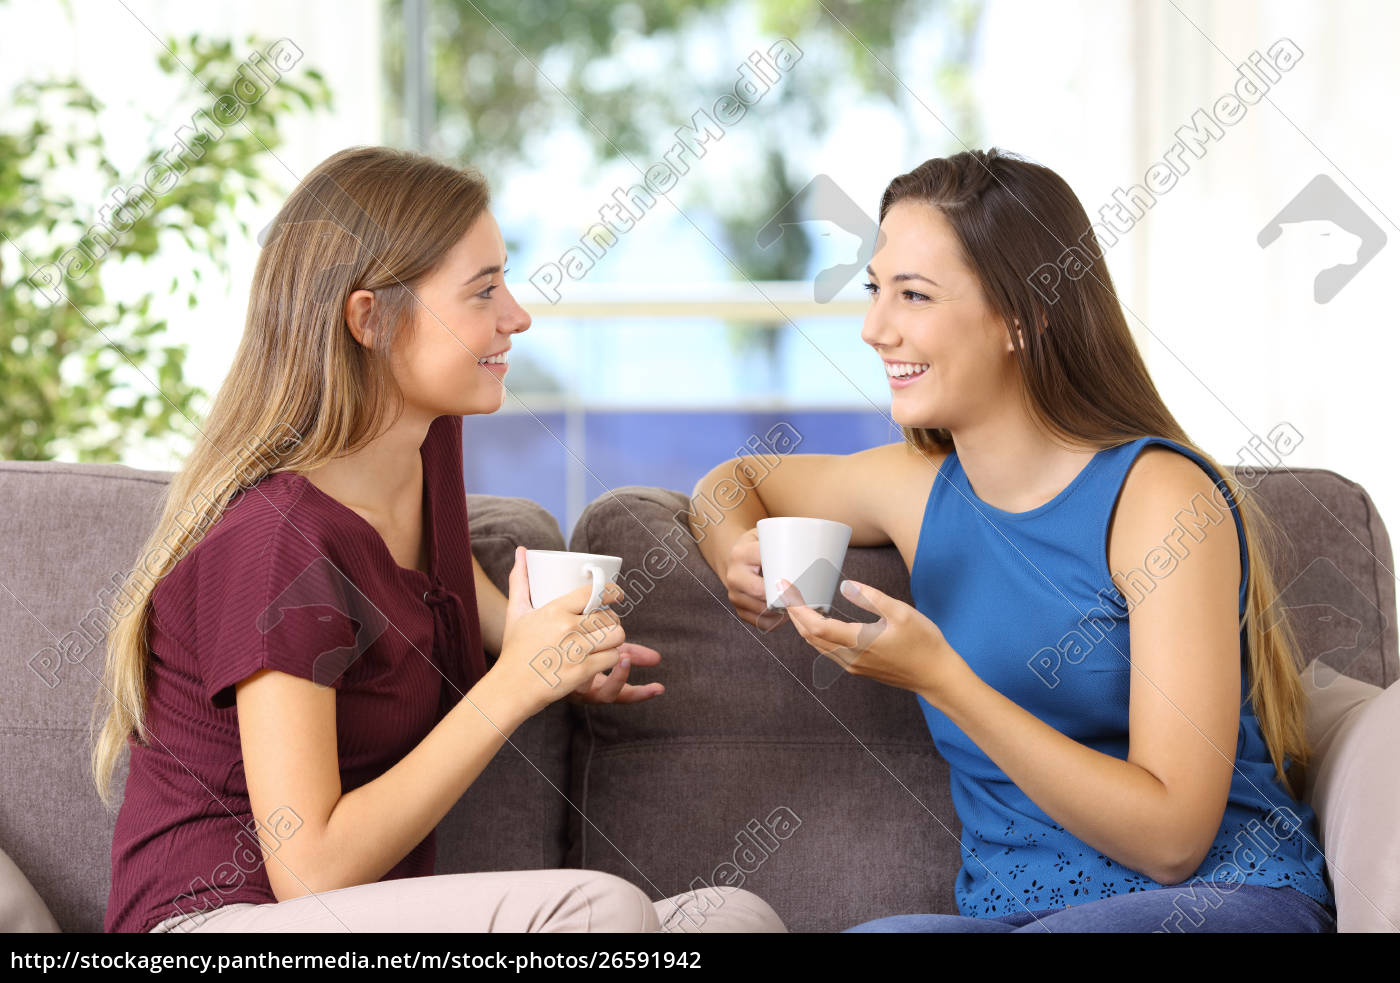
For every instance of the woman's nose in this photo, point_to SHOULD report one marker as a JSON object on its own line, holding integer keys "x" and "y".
{"x": 874, "y": 331}
{"x": 515, "y": 320}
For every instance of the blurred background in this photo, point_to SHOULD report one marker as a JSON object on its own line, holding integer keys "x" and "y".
{"x": 723, "y": 309}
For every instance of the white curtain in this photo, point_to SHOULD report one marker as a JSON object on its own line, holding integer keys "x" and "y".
{"x": 1235, "y": 340}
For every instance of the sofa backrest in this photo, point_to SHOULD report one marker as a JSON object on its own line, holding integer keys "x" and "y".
{"x": 66, "y": 530}
{"x": 682, "y": 790}
{"x": 1334, "y": 570}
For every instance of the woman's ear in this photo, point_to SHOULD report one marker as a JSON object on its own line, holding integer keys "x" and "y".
{"x": 358, "y": 308}
{"x": 1020, "y": 336}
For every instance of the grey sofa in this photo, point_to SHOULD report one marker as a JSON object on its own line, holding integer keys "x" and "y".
{"x": 824, "y": 797}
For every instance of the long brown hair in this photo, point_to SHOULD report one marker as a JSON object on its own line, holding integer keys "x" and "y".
{"x": 367, "y": 218}
{"x": 1034, "y": 251}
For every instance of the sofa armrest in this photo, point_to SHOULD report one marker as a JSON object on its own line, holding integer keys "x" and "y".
{"x": 498, "y": 524}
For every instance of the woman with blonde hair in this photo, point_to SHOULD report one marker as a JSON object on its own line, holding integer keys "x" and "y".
{"x": 301, "y": 678}
{"x": 1088, "y": 640}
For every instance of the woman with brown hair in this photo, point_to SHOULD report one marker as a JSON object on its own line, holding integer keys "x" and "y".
{"x": 300, "y": 674}
{"x": 1088, "y": 640}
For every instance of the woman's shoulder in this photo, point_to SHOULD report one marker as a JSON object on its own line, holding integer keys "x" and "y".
{"x": 910, "y": 470}
{"x": 276, "y": 521}
{"x": 1164, "y": 474}
{"x": 1158, "y": 481}
{"x": 1168, "y": 501}
{"x": 904, "y": 460}
{"x": 264, "y": 509}
{"x": 903, "y": 474}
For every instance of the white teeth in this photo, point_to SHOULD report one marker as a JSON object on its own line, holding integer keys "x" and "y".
{"x": 899, "y": 370}
{"x": 501, "y": 359}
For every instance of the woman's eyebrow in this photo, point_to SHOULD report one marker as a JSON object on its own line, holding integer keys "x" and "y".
{"x": 901, "y": 277}
{"x": 491, "y": 270}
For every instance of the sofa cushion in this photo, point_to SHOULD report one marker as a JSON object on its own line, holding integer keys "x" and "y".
{"x": 515, "y": 816}
{"x": 65, "y": 531}
{"x": 21, "y": 908}
{"x": 829, "y": 802}
{"x": 1354, "y": 787}
{"x": 1333, "y": 567}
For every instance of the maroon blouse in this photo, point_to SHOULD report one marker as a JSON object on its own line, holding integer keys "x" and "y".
{"x": 288, "y": 578}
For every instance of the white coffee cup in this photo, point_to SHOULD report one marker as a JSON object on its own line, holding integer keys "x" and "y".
{"x": 554, "y": 572}
{"x": 807, "y": 553}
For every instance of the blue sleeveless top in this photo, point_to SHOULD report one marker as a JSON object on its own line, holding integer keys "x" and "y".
{"x": 1027, "y": 600}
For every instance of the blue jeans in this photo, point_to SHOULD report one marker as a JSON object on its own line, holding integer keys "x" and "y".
{"x": 1211, "y": 907}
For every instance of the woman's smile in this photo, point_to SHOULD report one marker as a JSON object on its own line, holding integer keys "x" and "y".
{"x": 497, "y": 364}
{"x": 904, "y": 374}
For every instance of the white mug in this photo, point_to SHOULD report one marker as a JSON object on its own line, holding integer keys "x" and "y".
{"x": 553, "y": 573}
{"x": 807, "y": 553}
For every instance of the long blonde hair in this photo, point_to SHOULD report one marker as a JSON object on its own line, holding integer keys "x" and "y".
{"x": 1031, "y": 244}
{"x": 367, "y": 218}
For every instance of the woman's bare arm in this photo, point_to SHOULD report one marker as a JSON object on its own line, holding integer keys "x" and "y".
{"x": 879, "y": 493}
{"x": 289, "y": 754}
{"x": 287, "y": 728}
{"x": 491, "y": 608}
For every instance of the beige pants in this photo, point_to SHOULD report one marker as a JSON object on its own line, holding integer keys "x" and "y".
{"x": 508, "y": 901}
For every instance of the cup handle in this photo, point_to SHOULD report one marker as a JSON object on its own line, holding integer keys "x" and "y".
{"x": 600, "y": 581}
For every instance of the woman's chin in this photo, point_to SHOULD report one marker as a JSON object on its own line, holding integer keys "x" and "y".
{"x": 907, "y": 414}
{"x": 481, "y": 402}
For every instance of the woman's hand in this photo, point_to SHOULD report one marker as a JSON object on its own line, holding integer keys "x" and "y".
{"x": 743, "y": 577}
{"x": 903, "y": 649}
{"x": 557, "y": 651}
{"x": 612, "y": 687}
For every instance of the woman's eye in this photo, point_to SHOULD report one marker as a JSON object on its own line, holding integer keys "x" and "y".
{"x": 914, "y": 295}
{"x": 486, "y": 294}
{"x": 871, "y": 289}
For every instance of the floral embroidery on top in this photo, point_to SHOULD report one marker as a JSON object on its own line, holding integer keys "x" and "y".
{"x": 1026, "y": 878}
